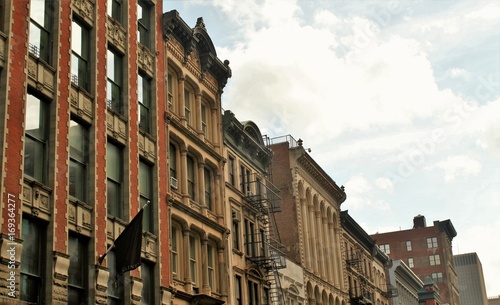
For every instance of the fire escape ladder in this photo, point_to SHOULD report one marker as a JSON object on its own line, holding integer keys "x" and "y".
{"x": 266, "y": 250}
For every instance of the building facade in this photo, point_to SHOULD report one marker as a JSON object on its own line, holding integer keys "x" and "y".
{"x": 366, "y": 265}
{"x": 470, "y": 279}
{"x": 310, "y": 221}
{"x": 427, "y": 250}
{"x": 406, "y": 284}
{"x": 199, "y": 228}
{"x": 251, "y": 199}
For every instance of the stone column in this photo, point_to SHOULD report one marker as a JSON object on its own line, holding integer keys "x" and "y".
{"x": 312, "y": 238}
{"x": 205, "y": 286}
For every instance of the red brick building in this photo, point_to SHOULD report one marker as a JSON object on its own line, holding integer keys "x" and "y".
{"x": 427, "y": 250}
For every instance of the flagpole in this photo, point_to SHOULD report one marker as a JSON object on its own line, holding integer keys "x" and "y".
{"x": 102, "y": 256}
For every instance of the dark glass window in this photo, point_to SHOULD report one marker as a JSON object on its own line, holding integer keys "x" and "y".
{"x": 80, "y": 55}
{"x": 208, "y": 188}
{"x": 41, "y": 18}
{"x": 115, "y": 81}
{"x": 144, "y": 90}
{"x": 32, "y": 258}
{"x": 191, "y": 177}
{"x": 36, "y": 138}
{"x": 147, "y": 275}
{"x": 146, "y": 194}
{"x": 78, "y": 155}
{"x": 77, "y": 272}
{"x": 114, "y": 168}
{"x": 115, "y": 286}
{"x": 115, "y": 10}
{"x": 144, "y": 23}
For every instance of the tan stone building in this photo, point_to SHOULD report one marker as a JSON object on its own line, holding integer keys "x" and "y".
{"x": 199, "y": 231}
{"x": 251, "y": 200}
{"x": 310, "y": 221}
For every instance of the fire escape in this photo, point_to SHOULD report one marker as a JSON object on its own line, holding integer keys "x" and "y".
{"x": 264, "y": 248}
{"x": 358, "y": 292}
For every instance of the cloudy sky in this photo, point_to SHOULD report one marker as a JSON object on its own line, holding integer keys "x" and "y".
{"x": 398, "y": 100}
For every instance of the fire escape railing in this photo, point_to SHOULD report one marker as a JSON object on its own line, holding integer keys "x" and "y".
{"x": 266, "y": 250}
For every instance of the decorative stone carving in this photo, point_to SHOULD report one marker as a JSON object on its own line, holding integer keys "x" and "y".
{"x": 85, "y": 9}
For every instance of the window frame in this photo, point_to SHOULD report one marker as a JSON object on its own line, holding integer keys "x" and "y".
{"x": 81, "y": 268}
{"x": 144, "y": 28}
{"x": 386, "y": 248}
{"x": 171, "y": 89}
{"x": 45, "y": 31}
{"x": 116, "y": 207}
{"x": 188, "y": 94}
{"x": 115, "y": 7}
{"x": 411, "y": 262}
{"x": 408, "y": 245}
{"x": 231, "y": 176}
{"x": 82, "y": 57}
{"x": 115, "y": 291}
{"x": 238, "y": 292}
{"x": 38, "y": 241}
{"x": 79, "y": 159}
{"x": 145, "y": 100}
{"x": 432, "y": 243}
{"x": 114, "y": 81}
{"x": 191, "y": 176}
{"x": 208, "y": 181}
{"x": 175, "y": 249}
{"x": 148, "y": 283}
{"x": 39, "y": 139}
{"x": 194, "y": 259}
{"x": 146, "y": 194}
{"x": 434, "y": 260}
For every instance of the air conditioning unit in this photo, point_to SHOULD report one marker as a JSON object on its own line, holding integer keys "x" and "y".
{"x": 236, "y": 215}
{"x": 173, "y": 183}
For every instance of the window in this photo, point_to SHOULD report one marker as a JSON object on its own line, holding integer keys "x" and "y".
{"x": 265, "y": 296}
{"x": 173, "y": 161}
{"x": 115, "y": 10}
{"x": 434, "y": 260}
{"x": 32, "y": 257}
{"x": 193, "y": 259}
{"x": 144, "y": 23}
{"x": 250, "y": 238}
{"x": 115, "y": 78}
{"x": 147, "y": 276}
{"x": 385, "y": 248}
{"x": 78, "y": 160}
{"x": 171, "y": 92}
{"x": 253, "y": 293}
{"x": 432, "y": 242}
{"x": 208, "y": 188}
{"x": 41, "y": 18}
{"x": 36, "y": 138}
{"x": 77, "y": 272}
{"x": 237, "y": 290}
{"x": 115, "y": 286}
{"x": 187, "y": 105}
{"x": 411, "y": 263}
{"x": 437, "y": 277}
{"x": 176, "y": 237}
{"x": 114, "y": 166}
{"x": 204, "y": 119}
{"x": 408, "y": 245}
{"x": 80, "y": 50}
{"x": 245, "y": 179}
{"x": 191, "y": 177}
{"x": 236, "y": 234}
{"x": 146, "y": 195}
{"x": 211, "y": 255}
{"x": 2, "y": 16}
{"x": 144, "y": 90}
{"x": 230, "y": 169}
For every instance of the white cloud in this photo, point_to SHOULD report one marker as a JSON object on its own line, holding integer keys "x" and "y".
{"x": 458, "y": 166}
{"x": 458, "y": 73}
{"x": 385, "y": 184}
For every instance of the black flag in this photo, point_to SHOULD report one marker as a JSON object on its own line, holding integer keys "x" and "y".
{"x": 128, "y": 246}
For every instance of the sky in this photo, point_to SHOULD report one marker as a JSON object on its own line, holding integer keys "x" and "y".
{"x": 399, "y": 101}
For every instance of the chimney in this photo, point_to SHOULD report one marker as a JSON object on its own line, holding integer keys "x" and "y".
{"x": 419, "y": 221}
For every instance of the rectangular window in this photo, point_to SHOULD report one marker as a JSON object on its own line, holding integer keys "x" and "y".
{"x": 437, "y": 277}
{"x": 230, "y": 169}
{"x": 408, "y": 245}
{"x": 236, "y": 234}
{"x": 146, "y": 195}
{"x": 434, "y": 260}
{"x": 204, "y": 119}
{"x": 193, "y": 258}
{"x": 144, "y": 23}
{"x": 78, "y": 160}
{"x": 237, "y": 290}
{"x": 211, "y": 266}
{"x": 175, "y": 250}
{"x": 173, "y": 161}
{"x": 411, "y": 264}
{"x": 80, "y": 55}
{"x": 32, "y": 257}
{"x": 265, "y": 296}
{"x": 114, "y": 168}
{"x": 144, "y": 90}
{"x": 41, "y": 18}
{"x": 187, "y": 105}
{"x": 147, "y": 276}
{"x": 77, "y": 272}
{"x": 253, "y": 293}
{"x": 115, "y": 287}
{"x": 432, "y": 242}
{"x": 36, "y": 138}
{"x": 171, "y": 93}
{"x": 208, "y": 188}
{"x": 115, "y": 10}
{"x": 250, "y": 238}
{"x": 191, "y": 177}
{"x": 385, "y": 248}
{"x": 115, "y": 81}
{"x": 2, "y": 16}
